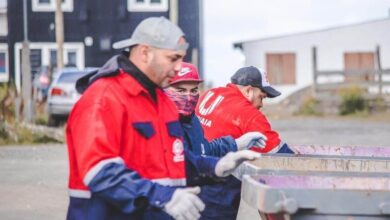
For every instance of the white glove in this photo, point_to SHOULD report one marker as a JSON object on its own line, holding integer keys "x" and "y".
{"x": 185, "y": 204}
{"x": 227, "y": 164}
{"x": 251, "y": 139}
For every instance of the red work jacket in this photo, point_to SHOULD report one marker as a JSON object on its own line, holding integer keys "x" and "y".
{"x": 117, "y": 119}
{"x": 225, "y": 111}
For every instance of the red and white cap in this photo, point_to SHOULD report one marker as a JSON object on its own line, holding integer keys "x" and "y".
{"x": 187, "y": 73}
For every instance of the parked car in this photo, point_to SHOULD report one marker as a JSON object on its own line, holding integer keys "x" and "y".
{"x": 63, "y": 95}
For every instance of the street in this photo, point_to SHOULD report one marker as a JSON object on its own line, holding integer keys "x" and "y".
{"x": 33, "y": 183}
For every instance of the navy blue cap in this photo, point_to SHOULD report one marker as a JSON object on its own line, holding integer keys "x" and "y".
{"x": 254, "y": 77}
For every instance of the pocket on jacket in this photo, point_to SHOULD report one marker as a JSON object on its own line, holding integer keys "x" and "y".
{"x": 175, "y": 129}
{"x": 146, "y": 129}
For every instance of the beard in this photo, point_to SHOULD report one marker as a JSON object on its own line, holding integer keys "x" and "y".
{"x": 161, "y": 77}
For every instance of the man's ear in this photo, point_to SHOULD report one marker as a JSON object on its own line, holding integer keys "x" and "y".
{"x": 145, "y": 52}
{"x": 248, "y": 91}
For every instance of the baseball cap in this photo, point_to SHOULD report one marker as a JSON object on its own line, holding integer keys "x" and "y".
{"x": 157, "y": 32}
{"x": 254, "y": 77}
{"x": 188, "y": 72}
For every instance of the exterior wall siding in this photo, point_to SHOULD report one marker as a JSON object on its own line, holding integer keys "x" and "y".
{"x": 105, "y": 22}
{"x": 331, "y": 45}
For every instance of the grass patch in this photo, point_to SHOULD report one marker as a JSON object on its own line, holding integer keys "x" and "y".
{"x": 309, "y": 107}
{"x": 17, "y": 134}
{"x": 352, "y": 101}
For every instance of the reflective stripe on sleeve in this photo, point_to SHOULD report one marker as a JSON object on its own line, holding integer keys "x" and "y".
{"x": 77, "y": 193}
{"x": 95, "y": 169}
{"x": 170, "y": 182}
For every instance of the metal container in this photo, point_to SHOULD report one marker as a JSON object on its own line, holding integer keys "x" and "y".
{"x": 342, "y": 150}
{"x": 303, "y": 197}
{"x": 302, "y": 164}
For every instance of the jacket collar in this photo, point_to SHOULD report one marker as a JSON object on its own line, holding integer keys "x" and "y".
{"x": 114, "y": 66}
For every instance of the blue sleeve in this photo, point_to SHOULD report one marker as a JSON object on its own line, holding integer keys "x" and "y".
{"x": 203, "y": 165}
{"x": 126, "y": 190}
{"x": 220, "y": 146}
{"x": 200, "y": 170}
{"x": 217, "y": 147}
{"x": 285, "y": 149}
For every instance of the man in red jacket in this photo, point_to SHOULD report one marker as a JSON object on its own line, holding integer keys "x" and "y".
{"x": 234, "y": 110}
{"x": 125, "y": 142}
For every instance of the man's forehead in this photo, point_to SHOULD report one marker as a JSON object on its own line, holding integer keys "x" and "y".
{"x": 186, "y": 85}
{"x": 173, "y": 53}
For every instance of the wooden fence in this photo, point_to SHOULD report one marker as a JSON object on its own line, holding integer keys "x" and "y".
{"x": 369, "y": 78}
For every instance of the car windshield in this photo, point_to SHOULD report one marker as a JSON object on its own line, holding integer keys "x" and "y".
{"x": 70, "y": 77}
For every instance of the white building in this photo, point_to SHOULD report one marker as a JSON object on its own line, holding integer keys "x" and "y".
{"x": 288, "y": 59}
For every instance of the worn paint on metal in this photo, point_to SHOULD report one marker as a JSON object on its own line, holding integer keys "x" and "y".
{"x": 342, "y": 150}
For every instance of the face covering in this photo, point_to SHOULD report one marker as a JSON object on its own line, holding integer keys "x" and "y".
{"x": 185, "y": 103}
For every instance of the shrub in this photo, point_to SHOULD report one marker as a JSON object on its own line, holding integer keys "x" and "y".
{"x": 352, "y": 101}
{"x": 309, "y": 107}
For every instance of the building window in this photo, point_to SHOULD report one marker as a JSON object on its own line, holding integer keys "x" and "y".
{"x": 72, "y": 58}
{"x": 44, "y": 1}
{"x": 360, "y": 65}
{"x": 53, "y": 57}
{"x": 281, "y": 68}
{"x": 50, "y": 5}
{"x": 147, "y": 5}
{"x": 3, "y": 65}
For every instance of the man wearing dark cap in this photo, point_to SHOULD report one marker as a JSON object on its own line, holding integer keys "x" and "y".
{"x": 234, "y": 110}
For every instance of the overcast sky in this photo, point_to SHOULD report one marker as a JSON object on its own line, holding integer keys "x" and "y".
{"x": 228, "y": 21}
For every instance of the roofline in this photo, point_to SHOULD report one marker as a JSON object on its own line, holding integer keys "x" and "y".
{"x": 238, "y": 44}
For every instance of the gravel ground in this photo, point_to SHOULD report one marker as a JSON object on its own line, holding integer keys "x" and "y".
{"x": 333, "y": 131}
{"x": 33, "y": 179}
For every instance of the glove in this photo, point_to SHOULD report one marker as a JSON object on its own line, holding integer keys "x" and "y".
{"x": 227, "y": 164}
{"x": 251, "y": 139}
{"x": 185, "y": 204}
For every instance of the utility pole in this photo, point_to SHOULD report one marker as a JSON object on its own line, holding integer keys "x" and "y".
{"x": 59, "y": 21}
{"x": 26, "y": 72}
{"x": 174, "y": 11}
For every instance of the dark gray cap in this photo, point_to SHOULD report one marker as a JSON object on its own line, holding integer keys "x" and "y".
{"x": 254, "y": 77}
{"x": 157, "y": 32}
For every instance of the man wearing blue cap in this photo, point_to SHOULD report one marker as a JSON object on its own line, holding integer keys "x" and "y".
{"x": 234, "y": 110}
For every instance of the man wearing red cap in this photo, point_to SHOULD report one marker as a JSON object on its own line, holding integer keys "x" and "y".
{"x": 184, "y": 92}
{"x": 234, "y": 110}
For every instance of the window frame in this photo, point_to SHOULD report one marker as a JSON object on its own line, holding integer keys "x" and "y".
{"x": 45, "y": 47}
{"x": 147, "y": 6}
{"x": 4, "y": 76}
{"x": 67, "y": 6}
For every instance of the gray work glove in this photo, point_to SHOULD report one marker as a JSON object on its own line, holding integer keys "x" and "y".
{"x": 251, "y": 139}
{"x": 185, "y": 204}
{"x": 228, "y": 163}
